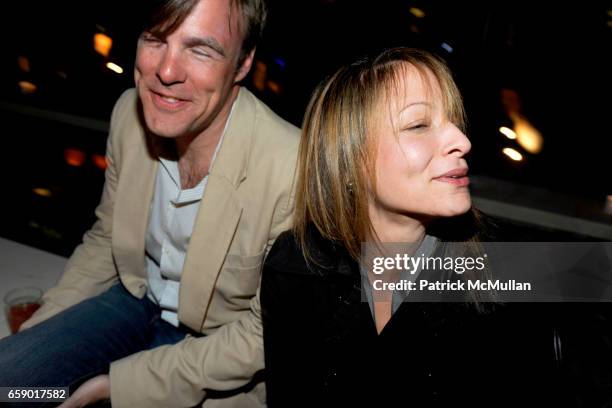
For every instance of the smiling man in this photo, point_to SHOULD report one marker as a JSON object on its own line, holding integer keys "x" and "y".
{"x": 159, "y": 306}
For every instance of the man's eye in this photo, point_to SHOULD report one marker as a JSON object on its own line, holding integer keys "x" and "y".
{"x": 150, "y": 39}
{"x": 201, "y": 52}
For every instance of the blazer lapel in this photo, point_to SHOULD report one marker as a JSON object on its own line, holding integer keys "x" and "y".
{"x": 217, "y": 220}
{"x": 218, "y": 215}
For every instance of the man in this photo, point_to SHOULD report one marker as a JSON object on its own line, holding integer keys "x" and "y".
{"x": 197, "y": 188}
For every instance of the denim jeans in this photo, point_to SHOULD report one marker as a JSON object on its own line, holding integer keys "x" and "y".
{"x": 82, "y": 341}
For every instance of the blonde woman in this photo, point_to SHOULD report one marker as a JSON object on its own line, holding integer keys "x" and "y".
{"x": 383, "y": 159}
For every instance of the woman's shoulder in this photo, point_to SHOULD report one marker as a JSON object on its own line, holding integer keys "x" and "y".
{"x": 286, "y": 255}
{"x": 316, "y": 256}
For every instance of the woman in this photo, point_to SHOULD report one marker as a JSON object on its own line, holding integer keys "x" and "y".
{"x": 383, "y": 160}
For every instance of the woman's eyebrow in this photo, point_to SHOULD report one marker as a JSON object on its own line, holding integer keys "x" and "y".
{"x": 413, "y": 104}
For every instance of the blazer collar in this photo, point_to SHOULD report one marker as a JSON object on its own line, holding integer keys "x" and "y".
{"x": 233, "y": 157}
{"x": 219, "y": 214}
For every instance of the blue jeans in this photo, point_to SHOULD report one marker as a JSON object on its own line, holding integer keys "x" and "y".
{"x": 83, "y": 340}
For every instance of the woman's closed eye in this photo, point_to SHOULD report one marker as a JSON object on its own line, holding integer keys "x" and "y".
{"x": 418, "y": 126}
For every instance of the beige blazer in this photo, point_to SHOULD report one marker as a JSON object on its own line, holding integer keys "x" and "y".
{"x": 246, "y": 205}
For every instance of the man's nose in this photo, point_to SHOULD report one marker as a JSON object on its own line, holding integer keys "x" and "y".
{"x": 169, "y": 69}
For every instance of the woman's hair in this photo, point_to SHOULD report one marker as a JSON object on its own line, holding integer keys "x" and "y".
{"x": 338, "y": 150}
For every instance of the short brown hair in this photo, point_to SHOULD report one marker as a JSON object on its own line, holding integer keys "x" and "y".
{"x": 167, "y": 15}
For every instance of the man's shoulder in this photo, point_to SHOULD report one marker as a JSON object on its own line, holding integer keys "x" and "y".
{"x": 276, "y": 130}
{"x": 125, "y": 113}
{"x": 126, "y": 105}
{"x": 126, "y": 125}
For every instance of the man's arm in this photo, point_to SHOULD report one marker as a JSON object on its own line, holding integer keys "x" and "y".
{"x": 90, "y": 269}
{"x": 179, "y": 375}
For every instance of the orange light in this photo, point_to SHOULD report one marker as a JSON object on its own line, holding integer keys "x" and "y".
{"x": 99, "y": 161}
{"x": 24, "y": 63}
{"x": 417, "y": 12}
{"x": 74, "y": 157}
{"x": 274, "y": 87}
{"x": 527, "y": 135}
{"x": 43, "y": 192}
{"x": 608, "y": 205}
{"x": 103, "y": 44}
{"x": 27, "y": 87}
{"x": 260, "y": 73}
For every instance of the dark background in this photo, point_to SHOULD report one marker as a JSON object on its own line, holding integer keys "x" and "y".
{"x": 555, "y": 57}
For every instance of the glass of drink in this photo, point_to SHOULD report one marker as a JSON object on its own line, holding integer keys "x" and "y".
{"x": 20, "y": 304}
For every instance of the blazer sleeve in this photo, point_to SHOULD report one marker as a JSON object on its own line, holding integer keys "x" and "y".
{"x": 181, "y": 375}
{"x": 90, "y": 269}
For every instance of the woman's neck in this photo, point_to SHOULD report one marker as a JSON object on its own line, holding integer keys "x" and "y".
{"x": 391, "y": 228}
{"x": 397, "y": 227}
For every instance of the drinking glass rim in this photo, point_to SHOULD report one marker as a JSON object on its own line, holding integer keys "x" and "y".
{"x": 37, "y": 290}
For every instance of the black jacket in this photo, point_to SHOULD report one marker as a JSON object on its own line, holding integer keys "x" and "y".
{"x": 322, "y": 348}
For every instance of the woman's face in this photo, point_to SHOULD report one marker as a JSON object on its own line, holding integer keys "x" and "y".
{"x": 420, "y": 168}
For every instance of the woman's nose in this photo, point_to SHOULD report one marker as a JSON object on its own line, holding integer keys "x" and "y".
{"x": 458, "y": 143}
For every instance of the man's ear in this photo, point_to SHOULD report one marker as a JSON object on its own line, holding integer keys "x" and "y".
{"x": 245, "y": 67}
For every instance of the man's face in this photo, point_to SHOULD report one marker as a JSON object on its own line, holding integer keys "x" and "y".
{"x": 187, "y": 78}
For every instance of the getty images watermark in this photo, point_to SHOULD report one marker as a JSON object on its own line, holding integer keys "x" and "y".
{"x": 499, "y": 271}
{"x": 459, "y": 265}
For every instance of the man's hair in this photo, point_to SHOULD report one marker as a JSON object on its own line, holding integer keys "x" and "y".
{"x": 165, "y": 16}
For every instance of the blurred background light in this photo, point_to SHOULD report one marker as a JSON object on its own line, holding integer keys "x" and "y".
{"x": 114, "y": 67}
{"x": 447, "y": 47}
{"x": 74, "y": 157}
{"x": 103, "y": 44}
{"x": 27, "y": 87}
{"x": 608, "y": 205}
{"x": 24, "y": 63}
{"x": 43, "y": 192}
{"x": 506, "y": 131}
{"x": 99, "y": 161}
{"x": 513, "y": 154}
{"x": 260, "y": 74}
{"x": 280, "y": 62}
{"x": 417, "y": 12}
{"x": 528, "y": 136}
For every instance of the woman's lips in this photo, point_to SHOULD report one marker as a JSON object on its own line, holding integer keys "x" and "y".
{"x": 458, "y": 177}
{"x": 457, "y": 181}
